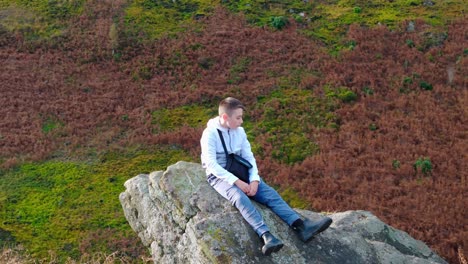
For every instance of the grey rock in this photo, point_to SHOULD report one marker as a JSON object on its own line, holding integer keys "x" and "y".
{"x": 183, "y": 220}
{"x": 428, "y": 3}
{"x": 411, "y": 27}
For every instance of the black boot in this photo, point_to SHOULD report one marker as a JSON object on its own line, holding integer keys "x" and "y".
{"x": 272, "y": 244}
{"x": 307, "y": 229}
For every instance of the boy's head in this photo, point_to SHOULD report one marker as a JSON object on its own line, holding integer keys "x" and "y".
{"x": 231, "y": 112}
{"x": 228, "y": 105}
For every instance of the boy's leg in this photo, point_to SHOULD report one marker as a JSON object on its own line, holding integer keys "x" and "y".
{"x": 268, "y": 196}
{"x": 242, "y": 202}
{"x": 305, "y": 229}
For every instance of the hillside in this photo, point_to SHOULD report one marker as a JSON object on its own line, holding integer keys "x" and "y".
{"x": 352, "y": 105}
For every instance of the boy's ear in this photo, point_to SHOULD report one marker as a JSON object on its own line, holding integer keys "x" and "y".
{"x": 224, "y": 116}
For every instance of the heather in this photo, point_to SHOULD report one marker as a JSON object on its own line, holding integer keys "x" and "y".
{"x": 351, "y": 105}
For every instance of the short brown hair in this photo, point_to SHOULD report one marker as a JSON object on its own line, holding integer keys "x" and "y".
{"x": 228, "y": 105}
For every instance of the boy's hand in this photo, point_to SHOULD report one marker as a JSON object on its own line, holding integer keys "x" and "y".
{"x": 243, "y": 186}
{"x": 253, "y": 188}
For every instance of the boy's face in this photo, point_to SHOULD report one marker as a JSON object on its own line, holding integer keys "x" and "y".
{"x": 235, "y": 120}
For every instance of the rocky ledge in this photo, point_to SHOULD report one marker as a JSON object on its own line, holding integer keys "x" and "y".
{"x": 183, "y": 220}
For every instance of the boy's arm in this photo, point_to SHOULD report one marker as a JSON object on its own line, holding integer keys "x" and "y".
{"x": 210, "y": 163}
{"x": 246, "y": 153}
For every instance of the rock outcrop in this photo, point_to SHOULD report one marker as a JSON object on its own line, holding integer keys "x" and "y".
{"x": 183, "y": 220}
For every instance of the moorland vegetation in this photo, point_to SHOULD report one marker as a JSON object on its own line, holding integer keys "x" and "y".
{"x": 351, "y": 105}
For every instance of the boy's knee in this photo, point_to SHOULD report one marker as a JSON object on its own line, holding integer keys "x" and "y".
{"x": 240, "y": 199}
{"x": 235, "y": 195}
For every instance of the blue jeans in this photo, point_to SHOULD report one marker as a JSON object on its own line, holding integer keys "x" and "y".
{"x": 265, "y": 195}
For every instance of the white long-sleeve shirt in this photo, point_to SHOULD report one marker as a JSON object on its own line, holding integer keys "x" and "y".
{"x": 213, "y": 157}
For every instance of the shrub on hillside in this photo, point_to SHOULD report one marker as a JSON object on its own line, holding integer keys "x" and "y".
{"x": 279, "y": 22}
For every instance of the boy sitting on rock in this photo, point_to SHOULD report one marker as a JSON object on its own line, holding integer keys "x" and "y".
{"x": 240, "y": 193}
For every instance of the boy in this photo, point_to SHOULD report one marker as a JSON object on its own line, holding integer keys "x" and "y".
{"x": 239, "y": 192}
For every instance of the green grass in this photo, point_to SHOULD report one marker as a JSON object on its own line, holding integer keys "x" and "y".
{"x": 294, "y": 199}
{"x": 344, "y": 94}
{"x": 328, "y": 21}
{"x": 52, "y": 9}
{"x": 38, "y": 20}
{"x": 239, "y": 67}
{"x": 147, "y": 20}
{"x": 50, "y": 124}
{"x": 156, "y": 19}
{"x": 67, "y": 206}
{"x": 262, "y": 13}
{"x": 172, "y": 119}
{"x": 288, "y": 117}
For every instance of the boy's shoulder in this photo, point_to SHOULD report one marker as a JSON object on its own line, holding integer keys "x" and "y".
{"x": 241, "y": 129}
{"x": 210, "y": 131}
